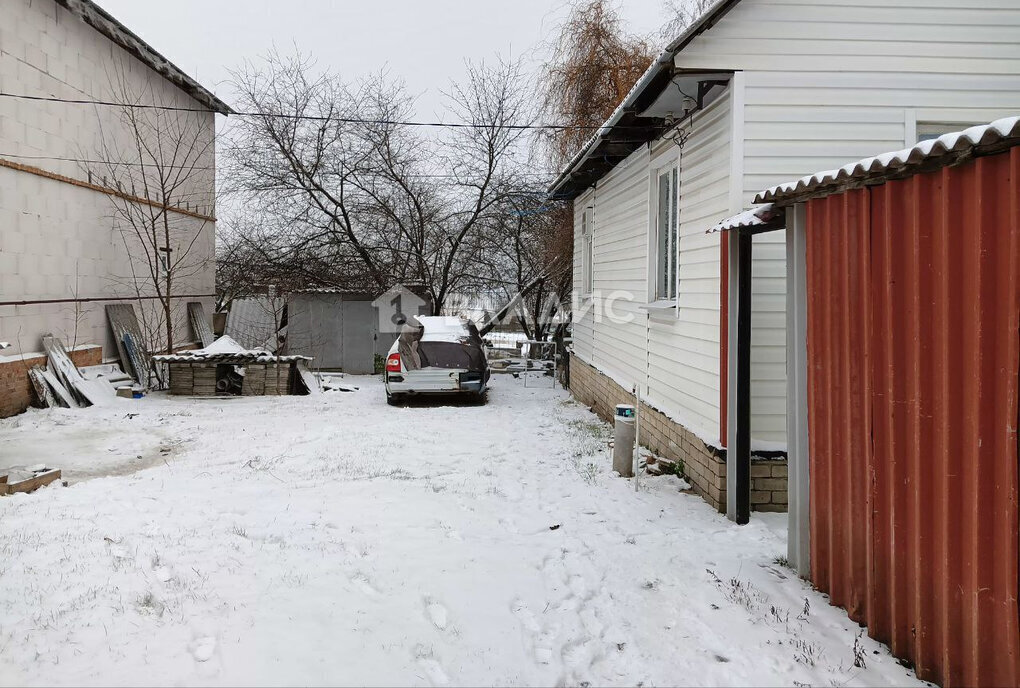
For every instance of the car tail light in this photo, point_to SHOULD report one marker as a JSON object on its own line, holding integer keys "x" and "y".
{"x": 393, "y": 363}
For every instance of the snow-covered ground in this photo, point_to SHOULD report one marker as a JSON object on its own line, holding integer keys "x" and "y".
{"x": 336, "y": 540}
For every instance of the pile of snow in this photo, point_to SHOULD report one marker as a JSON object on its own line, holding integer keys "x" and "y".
{"x": 225, "y": 345}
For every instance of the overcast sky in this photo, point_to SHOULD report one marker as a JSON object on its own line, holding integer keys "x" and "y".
{"x": 423, "y": 41}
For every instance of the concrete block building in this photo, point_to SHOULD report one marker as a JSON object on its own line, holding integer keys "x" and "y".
{"x": 80, "y": 175}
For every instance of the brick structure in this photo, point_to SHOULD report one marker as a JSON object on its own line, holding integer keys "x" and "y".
{"x": 704, "y": 465}
{"x": 16, "y": 392}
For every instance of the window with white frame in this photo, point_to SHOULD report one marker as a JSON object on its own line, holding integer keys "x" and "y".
{"x": 667, "y": 234}
{"x": 588, "y": 250}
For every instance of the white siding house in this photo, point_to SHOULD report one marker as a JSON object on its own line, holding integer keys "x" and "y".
{"x": 759, "y": 91}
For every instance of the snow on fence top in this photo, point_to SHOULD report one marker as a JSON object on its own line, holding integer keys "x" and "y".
{"x": 945, "y": 150}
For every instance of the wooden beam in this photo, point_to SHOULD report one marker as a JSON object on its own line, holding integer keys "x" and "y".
{"x": 30, "y": 485}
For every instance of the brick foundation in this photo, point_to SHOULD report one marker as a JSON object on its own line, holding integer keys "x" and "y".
{"x": 16, "y": 392}
{"x": 704, "y": 465}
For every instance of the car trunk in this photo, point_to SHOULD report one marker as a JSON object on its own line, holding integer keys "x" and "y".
{"x": 451, "y": 356}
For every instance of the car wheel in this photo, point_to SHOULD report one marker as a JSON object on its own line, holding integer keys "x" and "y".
{"x": 482, "y": 398}
{"x": 393, "y": 400}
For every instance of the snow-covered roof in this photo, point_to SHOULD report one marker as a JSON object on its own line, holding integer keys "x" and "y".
{"x": 226, "y": 350}
{"x": 662, "y": 64}
{"x": 103, "y": 22}
{"x": 944, "y": 150}
{"x": 335, "y": 290}
{"x": 759, "y": 216}
{"x": 235, "y": 358}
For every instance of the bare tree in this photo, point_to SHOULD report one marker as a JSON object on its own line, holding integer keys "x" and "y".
{"x": 159, "y": 160}
{"x": 347, "y": 194}
{"x": 681, "y": 14}
{"x": 532, "y": 264}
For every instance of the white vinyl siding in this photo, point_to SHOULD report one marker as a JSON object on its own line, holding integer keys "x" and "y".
{"x": 620, "y": 203}
{"x": 823, "y": 83}
{"x": 827, "y": 83}
{"x": 683, "y": 353}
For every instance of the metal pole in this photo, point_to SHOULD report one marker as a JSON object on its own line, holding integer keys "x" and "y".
{"x": 637, "y": 438}
{"x": 742, "y": 484}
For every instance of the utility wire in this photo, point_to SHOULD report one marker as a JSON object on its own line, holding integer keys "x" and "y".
{"x": 319, "y": 118}
{"x": 153, "y": 165}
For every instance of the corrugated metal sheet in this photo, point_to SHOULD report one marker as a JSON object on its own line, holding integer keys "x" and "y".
{"x": 914, "y": 314}
{"x": 759, "y": 217}
{"x": 996, "y": 135}
{"x": 253, "y": 322}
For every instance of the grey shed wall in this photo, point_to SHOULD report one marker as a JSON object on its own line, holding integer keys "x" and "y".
{"x": 339, "y": 331}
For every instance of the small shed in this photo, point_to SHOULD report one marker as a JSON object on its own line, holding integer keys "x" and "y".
{"x": 340, "y": 329}
{"x": 225, "y": 369}
{"x": 903, "y": 360}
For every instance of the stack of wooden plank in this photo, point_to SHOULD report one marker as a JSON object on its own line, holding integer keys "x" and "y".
{"x": 270, "y": 379}
{"x": 39, "y": 478}
{"x": 254, "y": 380}
{"x": 182, "y": 378}
{"x": 204, "y": 376}
{"x": 195, "y": 378}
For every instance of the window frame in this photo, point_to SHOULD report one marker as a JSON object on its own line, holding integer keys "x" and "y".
{"x": 661, "y": 252}
{"x": 588, "y": 250}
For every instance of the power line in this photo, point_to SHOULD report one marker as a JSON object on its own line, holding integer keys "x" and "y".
{"x": 153, "y": 165}
{"x": 319, "y": 118}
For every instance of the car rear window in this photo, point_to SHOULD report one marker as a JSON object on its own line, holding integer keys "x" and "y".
{"x": 451, "y": 355}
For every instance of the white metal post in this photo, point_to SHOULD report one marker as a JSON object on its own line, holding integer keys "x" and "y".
{"x": 637, "y": 437}
{"x": 799, "y": 536}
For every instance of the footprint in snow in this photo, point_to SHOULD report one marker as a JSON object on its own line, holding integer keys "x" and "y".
{"x": 434, "y": 671}
{"x": 436, "y": 613}
{"x": 520, "y": 609}
{"x": 431, "y": 666}
{"x": 202, "y": 649}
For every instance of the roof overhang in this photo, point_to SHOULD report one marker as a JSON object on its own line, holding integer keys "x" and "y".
{"x": 762, "y": 218}
{"x": 103, "y": 22}
{"x": 661, "y": 96}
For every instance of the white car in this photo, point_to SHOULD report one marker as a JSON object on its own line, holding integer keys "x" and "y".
{"x": 437, "y": 355}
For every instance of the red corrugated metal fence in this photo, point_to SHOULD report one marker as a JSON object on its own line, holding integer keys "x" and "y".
{"x": 913, "y": 350}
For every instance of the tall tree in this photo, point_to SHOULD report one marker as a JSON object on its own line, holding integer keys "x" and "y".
{"x": 349, "y": 192}
{"x": 594, "y": 64}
